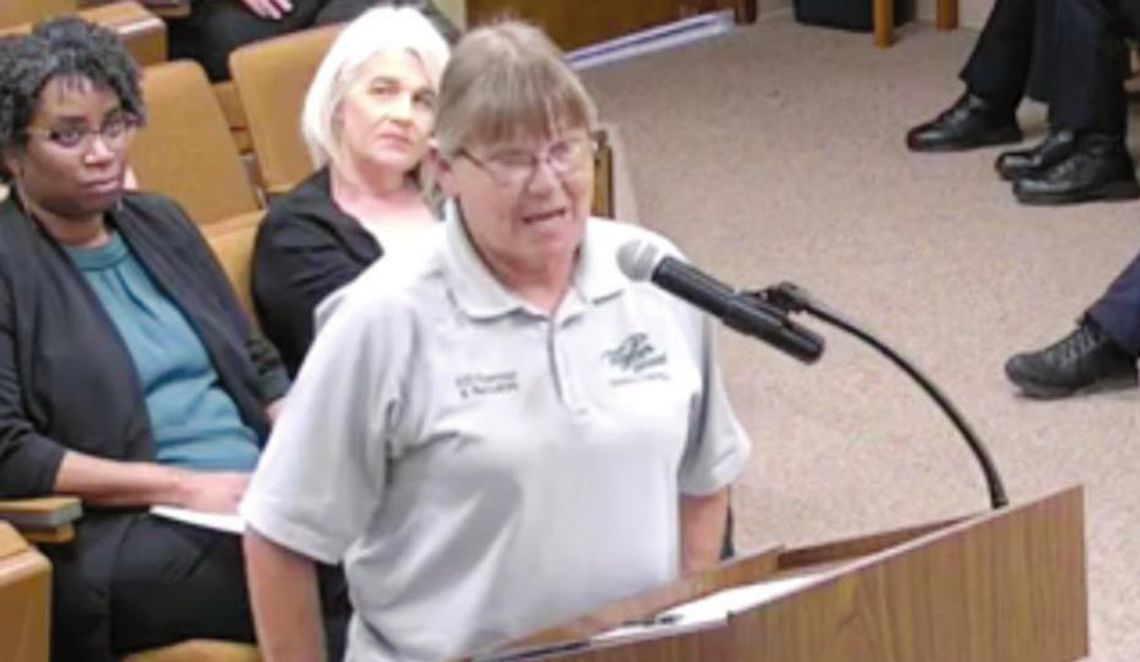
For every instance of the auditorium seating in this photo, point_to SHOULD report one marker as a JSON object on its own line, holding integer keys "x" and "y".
{"x": 185, "y": 151}
{"x": 25, "y": 574}
{"x": 234, "y": 112}
{"x": 25, "y": 588}
{"x": 272, "y": 77}
{"x": 16, "y": 12}
{"x": 25, "y": 594}
{"x": 143, "y": 33}
{"x": 232, "y": 243}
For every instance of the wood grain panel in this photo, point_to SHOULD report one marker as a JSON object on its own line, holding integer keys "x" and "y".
{"x": 1008, "y": 586}
{"x": 16, "y": 12}
{"x": 1005, "y": 586}
{"x": 576, "y": 24}
{"x": 143, "y": 33}
{"x": 25, "y": 587}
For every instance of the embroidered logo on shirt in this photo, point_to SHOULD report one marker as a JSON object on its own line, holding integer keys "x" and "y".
{"x": 636, "y": 357}
{"x": 487, "y": 383}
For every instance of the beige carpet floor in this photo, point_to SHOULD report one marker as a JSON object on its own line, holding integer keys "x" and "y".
{"x": 775, "y": 153}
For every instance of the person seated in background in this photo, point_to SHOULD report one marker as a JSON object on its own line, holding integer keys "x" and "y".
{"x": 1099, "y": 354}
{"x": 511, "y": 431}
{"x": 1071, "y": 55}
{"x": 215, "y": 28}
{"x": 129, "y": 375}
{"x": 1011, "y": 59}
{"x": 366, "y": 120}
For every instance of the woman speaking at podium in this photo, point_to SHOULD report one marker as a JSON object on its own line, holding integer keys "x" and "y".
{"x": 499, "y": 431}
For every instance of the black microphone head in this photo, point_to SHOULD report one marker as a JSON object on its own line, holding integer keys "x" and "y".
{"x": 637, "y": 258}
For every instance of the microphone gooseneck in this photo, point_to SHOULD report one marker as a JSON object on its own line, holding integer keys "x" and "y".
{"x": 764, "y": 314}
{"x": 793, "y": 299}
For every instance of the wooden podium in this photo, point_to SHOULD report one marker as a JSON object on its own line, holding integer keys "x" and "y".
{"x": 1004, "y": 586}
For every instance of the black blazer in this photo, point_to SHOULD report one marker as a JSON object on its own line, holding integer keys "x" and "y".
{"x": 67, "y": 380}
{"x": 306, "y": 248}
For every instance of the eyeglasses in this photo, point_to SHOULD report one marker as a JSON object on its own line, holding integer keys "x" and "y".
{"x": 513, "y": 168}
{"x": 115, "y": 132}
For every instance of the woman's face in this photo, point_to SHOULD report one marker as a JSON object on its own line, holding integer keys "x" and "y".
{"x": 525, "y": 201}
{"x": 74, "y": 159}
{"x": 387, "y": 113}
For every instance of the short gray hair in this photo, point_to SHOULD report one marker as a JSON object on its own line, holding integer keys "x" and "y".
{"x": 505, "y": 80}
{"x": 376, "y": 31}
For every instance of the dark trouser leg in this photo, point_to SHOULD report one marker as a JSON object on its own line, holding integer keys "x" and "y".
{"x": 174, "y": 582}
{"x": 1117, "y": 312}
{"x": 1091, "y": 64}
{"x": 217, "y": 27}
{"x": 336, "y": 11}
{"x": 80, "y": 629}
{"x": 998, "y": 69}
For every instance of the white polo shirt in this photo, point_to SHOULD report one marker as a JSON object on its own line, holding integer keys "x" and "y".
{"x": 483, "y": 469}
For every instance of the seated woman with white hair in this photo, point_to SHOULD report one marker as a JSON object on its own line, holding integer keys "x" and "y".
{"x": 498, "y": 430}
{"x": 367, "y": 118}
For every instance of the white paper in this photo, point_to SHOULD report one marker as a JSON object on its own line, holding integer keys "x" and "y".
{"x": 215, "y": 521}
{"x": 711, "y": 609}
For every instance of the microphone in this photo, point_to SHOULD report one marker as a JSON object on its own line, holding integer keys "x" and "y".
{"x": 640, "y": 260}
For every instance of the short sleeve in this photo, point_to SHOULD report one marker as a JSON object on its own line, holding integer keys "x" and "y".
{"x": 717, "y": 449}
{"x": 323, "y": 471}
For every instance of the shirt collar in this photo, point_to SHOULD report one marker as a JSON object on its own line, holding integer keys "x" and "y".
{"x": 480, "y": 294}
{"x": 596, "y": 275}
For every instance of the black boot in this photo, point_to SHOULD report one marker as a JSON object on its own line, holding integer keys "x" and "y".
{"x": 970, "y": 122}
{"x": 1099, "y": 169}
{"x": 1084, "y": 359}
{"x": 1056, "y": 147}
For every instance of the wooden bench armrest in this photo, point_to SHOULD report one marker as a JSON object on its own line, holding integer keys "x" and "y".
{"x": 43, "y": 520}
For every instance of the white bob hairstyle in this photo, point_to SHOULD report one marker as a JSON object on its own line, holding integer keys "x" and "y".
{"x": 376, "y": 31}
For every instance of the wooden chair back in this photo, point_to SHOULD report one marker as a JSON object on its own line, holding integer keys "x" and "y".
{"x": 25, "y": 594}
{"x": 232, "y": 242}
{"x": 143, "y": 33}
{"x": 272, "y": 77}
{"x": 16, "y": 12}
{"x": 185, "y": 151}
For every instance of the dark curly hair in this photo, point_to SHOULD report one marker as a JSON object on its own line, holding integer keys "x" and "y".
{"x": 66, "y": 47}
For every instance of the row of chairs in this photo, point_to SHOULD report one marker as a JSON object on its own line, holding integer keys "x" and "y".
{"x": 192, "y": 151}
{"x": 196, "y": 121}
{"x": 259, "y": 106}
{"x": 258, "y": 109}
{"x": 143, "y": 33}
{"x": 210, "y": 178}
{"x": 189, "y": 153}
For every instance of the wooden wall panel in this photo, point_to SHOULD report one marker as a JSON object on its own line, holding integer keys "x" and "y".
{"x": 574, "y": 24}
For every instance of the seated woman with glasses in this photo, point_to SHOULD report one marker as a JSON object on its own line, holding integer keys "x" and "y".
{"x": 367, "y": 118}
{"x": 510, "y": 431}
{"x": 129, "y": 376}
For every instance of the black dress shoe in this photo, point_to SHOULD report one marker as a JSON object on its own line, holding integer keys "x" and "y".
{"x": 970, "y": 122}
{"x": 1100, "y": 169}
{"x": 1086, "y": 359}
{"x": 1055, "y": 148}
